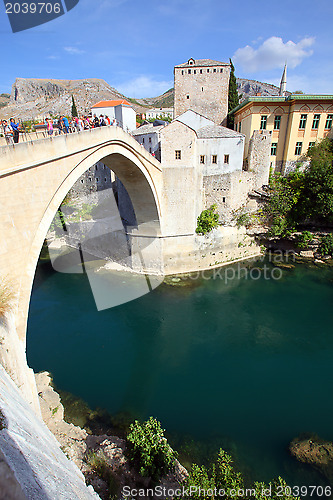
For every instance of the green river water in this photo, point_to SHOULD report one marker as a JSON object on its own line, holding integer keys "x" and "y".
{"x": 246, "y": 365}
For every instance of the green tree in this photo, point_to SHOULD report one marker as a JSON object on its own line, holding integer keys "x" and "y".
{"x": 148, "y": 449}
{"x": 74, "y": 110}
{"x": 303, "y": 196}
{"x": 233, "y": 98}
{"x": 207, "y": 220}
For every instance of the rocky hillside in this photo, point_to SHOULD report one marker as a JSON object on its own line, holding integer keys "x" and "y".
{"x": 32, "y": 97}
{"x": 4, "y": 100}
{"x": 247, "y": 88}
{"x": 35, "y": 98}
{"x": 163, "y": 101}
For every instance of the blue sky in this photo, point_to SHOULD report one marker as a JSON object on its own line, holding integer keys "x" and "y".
{"x": 134, "y": 44}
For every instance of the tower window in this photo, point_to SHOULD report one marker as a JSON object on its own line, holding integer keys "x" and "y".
{"x": 182, "y": 71}
{"x": 105, "y": 179}
{"x": 189, "y": 71}
{"x": 214, "y": 70}
{"x": 201, "y": 89}
{"x": 201, "y": 72}
{"x": 208, "y": 70}
{"x": 187, "y": 97}
{"x": 214, "y": 158}
{"x": 298, "y": 149}
{"x": 273, "y": 148}
{"x": 195, "y": 71}
{"x": 149, "y": 140}
{"x": 97, "y": 179}
{"x": 221, "y": 70}
{"x": 263, "y": 122}
{"x": 302, "y": 121}
{"x": 226, "y": 159}
{"x": 202, "y": 158}
{"x": 315, "y": 123}
{"x": 178, "y": 154}
{"x": 82, "y": 181}
{"x": 223, "y": 199}
{"x": 277, "y": 122}
{"x": 143, "y": 140}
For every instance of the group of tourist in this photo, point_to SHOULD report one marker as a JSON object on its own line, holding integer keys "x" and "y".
{"x": 77, "y": 123}
{"x": 11, "y": 131}
{"x": 62, "y": 125}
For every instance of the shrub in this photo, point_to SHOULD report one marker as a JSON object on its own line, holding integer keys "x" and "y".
{"x": 326, "y": 244}
{"x": 226, "y": 479}
{"x": 99, "y": 464}
{"x": 243, "y": 220}
{"x": 304, "y": 239}
{"x": 6, "y": 296}
{"x": 148, "y": 449}
{"x": 207, "y": 220}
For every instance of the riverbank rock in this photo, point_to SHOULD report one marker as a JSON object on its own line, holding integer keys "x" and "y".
{"x": 315, "y": 452}
{"x": 308, "y": 254}
{"x": 101, "y": 458}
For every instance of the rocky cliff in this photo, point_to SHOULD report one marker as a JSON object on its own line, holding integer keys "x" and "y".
{"x": 33, "y": 97}
{"x": 247, "y": 88}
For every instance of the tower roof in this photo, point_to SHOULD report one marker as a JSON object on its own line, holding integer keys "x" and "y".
{"x": 201, "y": 62}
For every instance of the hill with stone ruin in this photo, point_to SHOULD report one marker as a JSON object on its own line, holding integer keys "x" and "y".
{"x": 33, "y": 98}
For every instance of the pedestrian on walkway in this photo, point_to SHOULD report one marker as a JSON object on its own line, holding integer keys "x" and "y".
{"x": 49, "y": 126}
{"x": 15, "y": 127}
{"x": 60, "y": 125}
{"x": 8, "y": 132}
{"x": 66, "y": 124}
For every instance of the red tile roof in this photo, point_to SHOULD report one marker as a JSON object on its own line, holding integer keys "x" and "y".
{"x": 110, "y": 104}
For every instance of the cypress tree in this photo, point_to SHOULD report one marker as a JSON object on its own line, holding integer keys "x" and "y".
{"x": 74, "y": 110}
{"x": 233, "y": 99}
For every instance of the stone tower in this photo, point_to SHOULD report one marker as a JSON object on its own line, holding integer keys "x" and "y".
{"x": 202, "y": 85}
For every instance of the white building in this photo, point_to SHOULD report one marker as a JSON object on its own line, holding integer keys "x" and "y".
{"x": 120, "y": 110}
{"x": 156, "y": 113}
{"x": 217, "y": 149}
{"x": 150, "y": 137}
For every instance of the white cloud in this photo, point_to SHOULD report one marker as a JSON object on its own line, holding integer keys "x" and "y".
{"x": 273, "y": 53}
{"x": 144, "y": 86}
{"x": 73, "y": 50}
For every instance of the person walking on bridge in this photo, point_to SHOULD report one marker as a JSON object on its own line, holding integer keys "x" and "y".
{"x": 15, "y": 127}
{"x": 8, "y": 132}
{"x": 66, "y": 124}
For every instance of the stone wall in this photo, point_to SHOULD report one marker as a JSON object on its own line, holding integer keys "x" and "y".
{"x": 98, "y": 177}
{"x": 221, "y": 246}
{"x": 32, "y": 465}
{"x": 206, "y": 92}
{"x": 229, "y": 192}
{"x": 259, "y": 156}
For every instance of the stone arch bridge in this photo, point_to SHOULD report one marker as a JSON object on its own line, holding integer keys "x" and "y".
{"x": 36, "y": 176}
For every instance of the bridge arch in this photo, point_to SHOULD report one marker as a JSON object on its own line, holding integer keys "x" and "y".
{"x": 41, "y": 183}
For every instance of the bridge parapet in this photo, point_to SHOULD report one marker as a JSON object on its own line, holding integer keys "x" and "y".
{"x": 36, "y": 152}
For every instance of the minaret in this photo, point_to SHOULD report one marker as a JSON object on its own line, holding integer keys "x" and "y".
{"x": 283, "y": 81}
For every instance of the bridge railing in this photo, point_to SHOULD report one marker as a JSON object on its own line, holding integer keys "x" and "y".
{"x": 41, "y": 133}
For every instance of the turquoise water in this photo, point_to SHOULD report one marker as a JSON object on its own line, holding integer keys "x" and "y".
{"x": 246, "y": 365}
